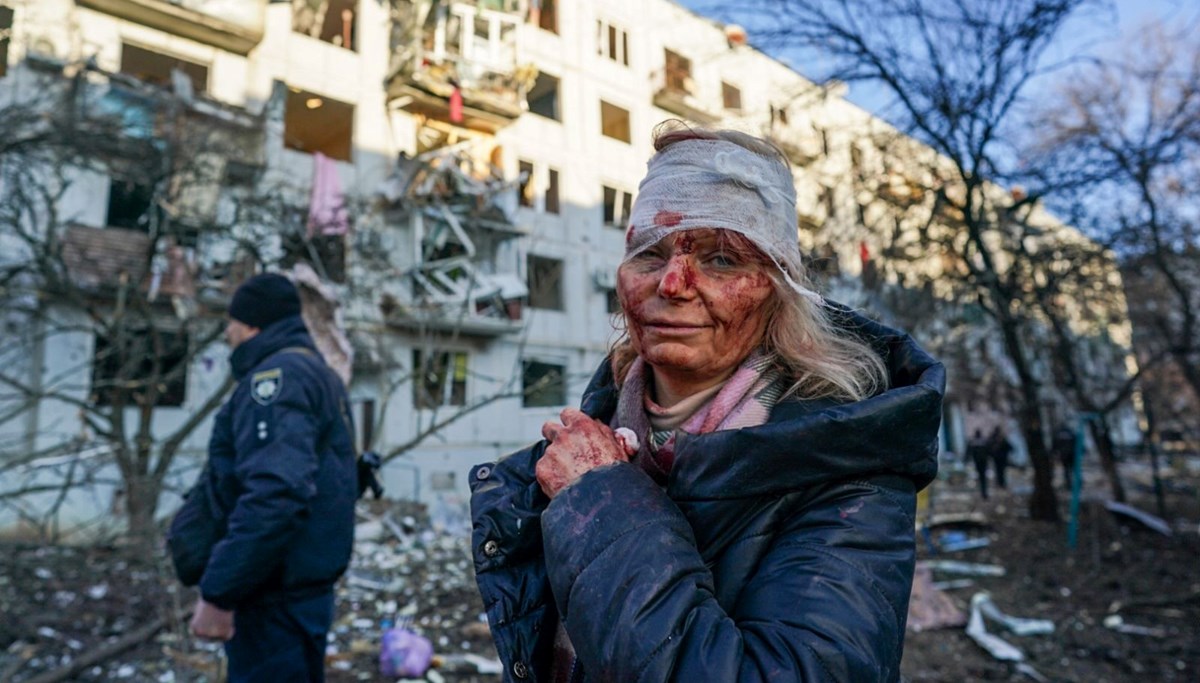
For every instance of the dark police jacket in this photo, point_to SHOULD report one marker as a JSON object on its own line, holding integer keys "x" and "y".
{"x": 281, "y": 468}
{"x": 782, "y": 552}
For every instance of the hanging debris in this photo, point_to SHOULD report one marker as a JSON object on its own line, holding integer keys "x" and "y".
{"x": 461, "y": 208}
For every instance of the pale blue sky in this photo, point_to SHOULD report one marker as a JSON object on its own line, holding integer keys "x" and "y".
{"x": 1108, "y": 25}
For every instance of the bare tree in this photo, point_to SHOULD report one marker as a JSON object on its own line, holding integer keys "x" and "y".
{"x": 133, "y": 301}
{"x": 1133, "y": 126}
{"x": 956, "y": 71}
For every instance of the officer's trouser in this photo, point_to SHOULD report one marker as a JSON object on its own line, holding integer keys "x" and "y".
{"x": 282, "y": 641}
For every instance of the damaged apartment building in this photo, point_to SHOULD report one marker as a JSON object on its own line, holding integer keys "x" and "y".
{"x": 456, "y": 175}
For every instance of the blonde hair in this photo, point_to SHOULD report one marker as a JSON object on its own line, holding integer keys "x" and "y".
{"x": 822, "y": 360}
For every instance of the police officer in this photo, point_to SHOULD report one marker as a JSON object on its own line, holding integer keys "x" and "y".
{"x": 282, "y": 471}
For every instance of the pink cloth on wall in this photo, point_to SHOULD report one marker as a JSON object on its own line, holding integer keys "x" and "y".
{"x": 327, "y": 213}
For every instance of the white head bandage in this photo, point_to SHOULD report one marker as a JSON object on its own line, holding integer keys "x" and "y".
{"x": 716, "y": 184}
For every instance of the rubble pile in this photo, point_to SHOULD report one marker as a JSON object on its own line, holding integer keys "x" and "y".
{"x": 413, "y": 571}
{"x": 65, "y": 604}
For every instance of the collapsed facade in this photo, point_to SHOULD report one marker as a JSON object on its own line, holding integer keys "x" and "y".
{"x": 458, "y": 174}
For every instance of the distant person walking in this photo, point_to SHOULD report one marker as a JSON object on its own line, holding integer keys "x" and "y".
{"x": 1064, "y": 448}
{"x": 999, "y": 449}
{"x": 977, "y": 449}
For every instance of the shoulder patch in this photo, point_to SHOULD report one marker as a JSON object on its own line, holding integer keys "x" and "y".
{"x": 265, "y": 385}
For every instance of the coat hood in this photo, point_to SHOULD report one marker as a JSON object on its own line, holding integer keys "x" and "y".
{"x": 810, "y": 442}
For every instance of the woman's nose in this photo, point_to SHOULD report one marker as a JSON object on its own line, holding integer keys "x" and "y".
{"x": 678, "y": 278}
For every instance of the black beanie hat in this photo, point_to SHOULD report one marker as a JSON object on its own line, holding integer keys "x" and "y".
{"x": 264, "y": 299}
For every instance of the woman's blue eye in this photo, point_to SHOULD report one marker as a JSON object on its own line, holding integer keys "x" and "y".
{"x": 722, "y": 261}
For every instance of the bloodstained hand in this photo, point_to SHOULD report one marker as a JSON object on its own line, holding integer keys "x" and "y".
{"x": 578, "y": 445}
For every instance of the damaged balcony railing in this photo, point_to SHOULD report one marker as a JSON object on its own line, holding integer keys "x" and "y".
{"x": 674, "y": 91}
{"x": 458, "y": 61}
{"x": 459, "y": 209}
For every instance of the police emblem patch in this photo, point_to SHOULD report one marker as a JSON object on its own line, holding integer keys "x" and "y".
{"x": 265, "y": 385}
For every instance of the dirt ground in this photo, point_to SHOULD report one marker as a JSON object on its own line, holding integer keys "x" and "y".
{"x": 63, "y": 605}
{"x": 1118, "y": 567}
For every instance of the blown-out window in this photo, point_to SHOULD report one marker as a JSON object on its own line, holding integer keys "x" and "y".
{"x": 543, "y": 97}
{"x": 439, "y": 378}
{"x": 140, "y": 365}
{"x": 544, "y": 280}
{"x": 618, "y": 204}
{"x": 315, "y": 123}
{"x": 543, "y": 384}
{"x": 614, "y": 122}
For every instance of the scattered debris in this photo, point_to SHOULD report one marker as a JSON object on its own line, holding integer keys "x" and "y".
{"x": 100, "y": 612}
{"x": 1018, "y": 625}
{"x": 982, "y": 606}
{"x": 968, "y": 568}
{"x": 953, "y": 584}
{"x": 1150, "y": 521}
{"x": 404, "y": 653}
{"x": 1117, "y": 623}
{"x": 105, "y": 652}
{"x": 973, "y": 518}
{"x": 955, "y": 541}
{"x": 1031, "y": 672}
{"x": 996, "y": 646}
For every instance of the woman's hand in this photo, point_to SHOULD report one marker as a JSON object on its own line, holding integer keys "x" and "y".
{"x": 578, "y": 445}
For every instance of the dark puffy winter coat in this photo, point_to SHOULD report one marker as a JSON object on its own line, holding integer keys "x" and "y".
{"x": 782, "y": 552}
{"x": 281, "y": 469}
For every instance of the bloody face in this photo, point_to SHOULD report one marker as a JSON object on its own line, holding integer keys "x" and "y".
{"x": 696, "y": 303}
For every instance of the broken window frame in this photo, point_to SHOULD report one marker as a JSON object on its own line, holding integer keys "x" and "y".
{"x": 615, "y": 211}
{"x": 132, "y": 54}
{"x": 544, "y": 280}
{"x": 527, "y": 190}
{"x": 107, "y": 369}
{"x": 538, "y": 94}
{"x": 325, "y": 253}
{"x": 130, "y": 205}
{"x": 613, "y": 128}
{"x": 442, "y": 382}
{"x": 543, "y": 383}
{"x": 677, "y": 71}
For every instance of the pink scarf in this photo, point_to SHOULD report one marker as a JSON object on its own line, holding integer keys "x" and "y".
{"x": 745, "y": 400}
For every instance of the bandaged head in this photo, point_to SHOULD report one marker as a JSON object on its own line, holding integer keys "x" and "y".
{"x": 701, "y": 183}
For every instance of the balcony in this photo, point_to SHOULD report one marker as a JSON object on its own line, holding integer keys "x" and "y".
{"x": 458, "y": 211}
{"x": 233, "y": 25}
{"x": 460, "y": 50}
{"x": 674, "y": 91}
{"x": 454, "y": 296}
